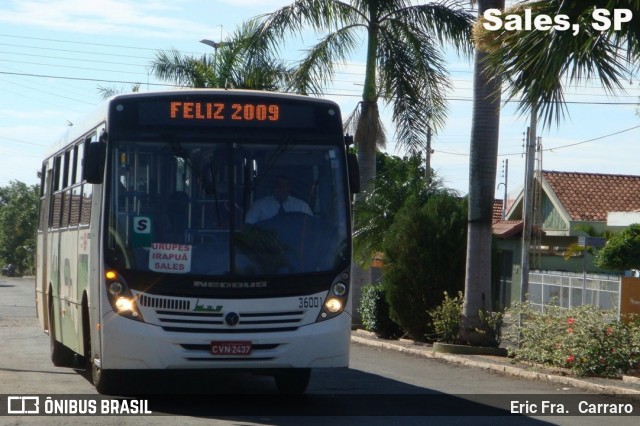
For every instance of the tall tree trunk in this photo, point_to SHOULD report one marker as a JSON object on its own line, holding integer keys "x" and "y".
{"x": 485, "y": 126}
{"x": 367, "y": 136}
{"x": 365, "y": 142}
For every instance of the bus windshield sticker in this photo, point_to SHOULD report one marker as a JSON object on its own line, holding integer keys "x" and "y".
{"x": 172, "y": 258}
{"x": 141, "y": 236}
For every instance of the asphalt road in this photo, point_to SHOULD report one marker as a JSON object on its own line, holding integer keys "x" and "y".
{"x": 380, "y": 387}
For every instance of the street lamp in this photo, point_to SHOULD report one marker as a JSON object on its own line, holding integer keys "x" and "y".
{"x": 214, "y": 44}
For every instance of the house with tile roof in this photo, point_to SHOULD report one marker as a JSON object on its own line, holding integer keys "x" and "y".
{"x": 567, "y": 205}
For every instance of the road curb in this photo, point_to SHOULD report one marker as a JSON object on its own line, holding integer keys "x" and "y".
{"x": 426, "y": 352}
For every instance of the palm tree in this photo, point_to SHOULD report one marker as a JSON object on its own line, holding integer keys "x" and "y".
{"x": 404, "y": 64}
{"x": 231, "y": 66}
{"x": 536, "y": 66}
{"x": 485, "y": 125}
{"x": 107, "y": 92}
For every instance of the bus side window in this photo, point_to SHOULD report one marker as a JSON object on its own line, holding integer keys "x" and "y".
{"x": 46, "y": 194}
{"x": 56, "y": 206}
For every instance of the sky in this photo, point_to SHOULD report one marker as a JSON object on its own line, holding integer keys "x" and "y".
{"x": 54, "y": 54}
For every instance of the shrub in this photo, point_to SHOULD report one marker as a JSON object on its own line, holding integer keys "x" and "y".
{"x": 425, "y": 251}
{"x": 581, "y": 339}
{"x": 375, "y": 312}
{"x": 622, "y": 251}
{"x": 447, "y": 319}
{"x": 491, "y": 327}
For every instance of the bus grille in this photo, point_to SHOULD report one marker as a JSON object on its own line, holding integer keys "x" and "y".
{"x": 164, "y": 303}
{"x": 249, "y": 322}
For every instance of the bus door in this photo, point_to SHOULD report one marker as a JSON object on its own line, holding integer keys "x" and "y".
{"x": 43, "y": 254}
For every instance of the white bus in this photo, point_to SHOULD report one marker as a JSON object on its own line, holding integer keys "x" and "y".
{"x": 158, "y": 247}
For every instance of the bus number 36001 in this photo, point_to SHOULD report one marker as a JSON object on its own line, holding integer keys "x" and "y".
{"x": 309, "y": 302}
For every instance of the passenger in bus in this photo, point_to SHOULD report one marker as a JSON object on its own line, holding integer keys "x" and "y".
{"x": 278, "y": 203}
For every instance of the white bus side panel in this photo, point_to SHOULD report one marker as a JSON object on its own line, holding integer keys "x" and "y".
{"x": 70, "y": 315}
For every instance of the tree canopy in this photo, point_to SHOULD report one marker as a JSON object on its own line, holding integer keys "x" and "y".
{"x": 231, "y": 66}
{"x": 18, "y": 223}
{"x": 622, "y": 251}
{"x": 537, "y": 66}
{"x": 404, "y": 62}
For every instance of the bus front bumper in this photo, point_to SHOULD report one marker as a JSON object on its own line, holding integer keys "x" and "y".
{"x": 130, "y": 344}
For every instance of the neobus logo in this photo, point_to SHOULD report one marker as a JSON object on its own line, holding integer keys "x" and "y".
{"x": 225, "y": 284}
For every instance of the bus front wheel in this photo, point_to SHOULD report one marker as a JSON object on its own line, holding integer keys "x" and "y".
{"x": 105, "y": 382}
{"x": 293, "y": 381}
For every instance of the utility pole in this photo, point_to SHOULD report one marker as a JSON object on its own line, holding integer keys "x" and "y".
{"x": 427, "y": 167}
{"x": 506, "y": 179}
{"x": 527, "y": 208}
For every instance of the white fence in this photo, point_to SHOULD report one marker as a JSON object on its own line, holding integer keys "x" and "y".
{"x": 568, "y": 289}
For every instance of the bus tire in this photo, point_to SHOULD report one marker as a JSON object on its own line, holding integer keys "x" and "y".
{"x": 105, "y": 382}
{"x": 293, "y": 381}
{"x": 61, "y": 356}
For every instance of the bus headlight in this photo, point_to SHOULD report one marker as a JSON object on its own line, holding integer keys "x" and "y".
{"x": 335, "y": 302}
{"x": 339, "y": 289}
{"x": 115, "y": 288}
{"x": 120, "y": 297}
{"x": 333, "y": 305}
{"x": 124, "y": 304}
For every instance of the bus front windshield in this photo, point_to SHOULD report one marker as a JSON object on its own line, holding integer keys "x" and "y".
{"x": 227, "y": 208}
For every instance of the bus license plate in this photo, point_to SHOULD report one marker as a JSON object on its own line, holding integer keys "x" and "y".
{"x": 231, "y": 348}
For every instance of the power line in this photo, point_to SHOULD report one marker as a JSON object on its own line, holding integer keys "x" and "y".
{"x": 550, "y": 149}
{"x": 86, "y": 79}
{"x": 326, "y": 94}
{"x": 83, "y": 43}
{"x": 49, "y": 93}
{"x": 22, "y": 141}
{"x": 160, "y": 50}
{"x": 84, "y": 52}
{"x": 592, "y": 140}
{"x": 71, "y": 59}
{"x": 73, "y": 67}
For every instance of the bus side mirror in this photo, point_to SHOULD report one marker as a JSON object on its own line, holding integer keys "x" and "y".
{"x": 93, "y": 161}
{"x": 354, "y": 173}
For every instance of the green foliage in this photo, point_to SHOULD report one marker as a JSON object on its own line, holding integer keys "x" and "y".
{"x": 581, "y": 339}
{"x": 107, "y": 92}
{"x": 536, "y": 67}
{"x": 375, "y": 312}
{"x": 18, "y": 223}
{"x": 447, "y": 318}
{"x": 231, "y": 66}
{"x": 425, "y": 252}
{"x": 405, "y": 64}
{"x": 447, "y": 322}
{"x": 397, "y": 180}
{"x": 491, "y": 327}
{"x": 622, "y": 251}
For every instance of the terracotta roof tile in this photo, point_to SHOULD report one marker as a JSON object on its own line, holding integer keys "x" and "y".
{"x": 497, "y": 210}
{"x": 590, "y": 196}
{"x": 507, "y": 228}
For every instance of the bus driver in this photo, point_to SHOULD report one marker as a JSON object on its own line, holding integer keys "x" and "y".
{"x": 279, "y": 202}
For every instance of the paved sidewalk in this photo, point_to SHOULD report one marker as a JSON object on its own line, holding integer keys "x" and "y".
{"x": 629, "y": 386}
